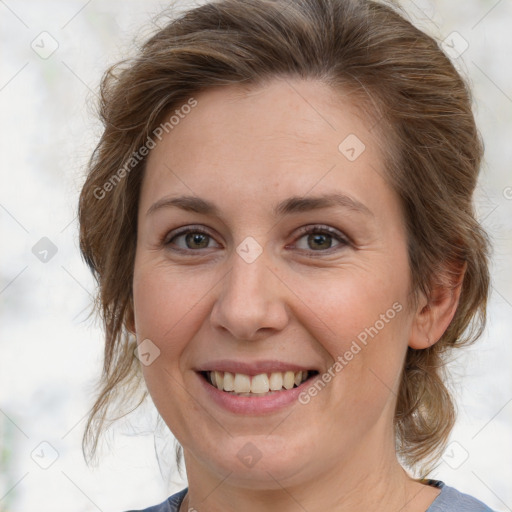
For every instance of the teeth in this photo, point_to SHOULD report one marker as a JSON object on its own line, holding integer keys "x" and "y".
{"x": 276, "y": 381}
{"x": 289, "y": 380}
{"x": 229, "y": 381}
{"x": 258, "y": 384}
{"x": 242, "y": 383}
{"x": 219, "y": 379}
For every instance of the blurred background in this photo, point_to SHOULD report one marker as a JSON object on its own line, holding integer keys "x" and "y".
{"x": 52, "y": 56}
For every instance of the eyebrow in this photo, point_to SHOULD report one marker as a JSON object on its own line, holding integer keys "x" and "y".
{"x": 294, "y": 204}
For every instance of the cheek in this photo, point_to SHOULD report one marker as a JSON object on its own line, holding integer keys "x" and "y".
{"x": 166, "y": 304}
{"x": 353, "y": 303}
{"x": 362, "y": 322}
{"x": 166, "y": 309}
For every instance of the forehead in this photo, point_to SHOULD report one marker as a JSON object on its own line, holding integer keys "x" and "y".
{"x": 285, "y": 137}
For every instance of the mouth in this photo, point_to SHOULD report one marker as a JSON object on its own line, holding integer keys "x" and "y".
{"x": 263, "y": 384}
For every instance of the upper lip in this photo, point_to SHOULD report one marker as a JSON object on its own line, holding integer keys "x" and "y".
{"x": 252, "y": 368}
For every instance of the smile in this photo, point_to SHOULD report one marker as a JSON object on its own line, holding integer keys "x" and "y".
{"x": 261, "y": 384}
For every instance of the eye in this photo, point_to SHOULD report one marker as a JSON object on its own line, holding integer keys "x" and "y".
{"x": 320, "y": 239}
{"x": 190, "y": 239}
{"x": 313, "y": 239}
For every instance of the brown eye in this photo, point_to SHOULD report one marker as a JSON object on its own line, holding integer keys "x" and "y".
{"x": 320, "y": 239}
{"x": 190, "y": 240}
{"x": 196, "y": 240}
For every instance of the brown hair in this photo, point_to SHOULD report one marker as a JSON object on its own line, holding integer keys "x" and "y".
{"x": 400, "y": 75}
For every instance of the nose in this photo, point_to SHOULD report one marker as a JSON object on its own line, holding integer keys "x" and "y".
{"x": 251, "y": 304}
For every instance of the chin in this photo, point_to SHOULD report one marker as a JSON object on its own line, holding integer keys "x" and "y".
{"x": 258, "y": 462}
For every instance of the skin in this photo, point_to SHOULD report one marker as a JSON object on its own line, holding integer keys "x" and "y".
{"x": 246, "y": 149}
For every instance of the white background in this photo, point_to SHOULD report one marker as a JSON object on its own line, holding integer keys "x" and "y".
{"x": 51, "y": 354}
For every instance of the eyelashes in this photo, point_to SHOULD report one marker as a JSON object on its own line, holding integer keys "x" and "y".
{"x": 316, "y": 235}
{"x": 194, "y": 230}
{"x": 319, "y": 233}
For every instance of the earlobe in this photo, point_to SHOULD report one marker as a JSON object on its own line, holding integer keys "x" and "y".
{"x": 435, "y": 313}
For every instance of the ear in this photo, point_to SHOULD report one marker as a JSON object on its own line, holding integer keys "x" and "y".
{"x": 434, "y": 313}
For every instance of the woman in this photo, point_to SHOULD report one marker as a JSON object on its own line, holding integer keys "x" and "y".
{"x": 279, "y": 215}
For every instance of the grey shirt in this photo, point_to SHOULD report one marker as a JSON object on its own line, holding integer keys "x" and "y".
{"x": 449, "y": 500}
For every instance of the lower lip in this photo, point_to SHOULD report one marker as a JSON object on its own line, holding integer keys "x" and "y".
{"x": 254, "y": 405}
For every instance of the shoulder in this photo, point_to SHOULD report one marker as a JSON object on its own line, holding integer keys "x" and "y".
{"x": 171, "y": 504}
{"x": 449, "y": 500}
{"x": 454, "y": 501}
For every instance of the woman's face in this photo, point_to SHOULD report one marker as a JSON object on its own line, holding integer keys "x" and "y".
{"x": 288, "y": 253}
